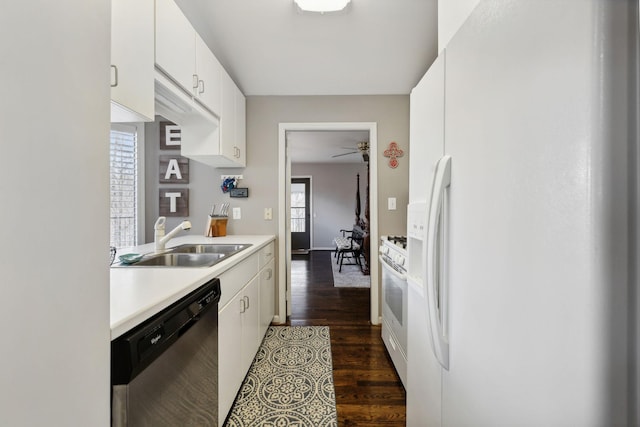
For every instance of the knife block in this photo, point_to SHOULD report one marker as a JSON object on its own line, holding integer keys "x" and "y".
{"x": 216, "y": 227}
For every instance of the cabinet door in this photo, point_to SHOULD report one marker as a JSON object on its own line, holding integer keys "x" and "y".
{"x": 132, "y": 58}
{"x": 241, "y": 120}
{"x": 228, "y": 117}
{"x": 230, "y": 369}
{"x": 267, "y": 297}
{"x": 251, "y": 337}
{"x": 175, "y": 44}
{"x": 209, "y": 72}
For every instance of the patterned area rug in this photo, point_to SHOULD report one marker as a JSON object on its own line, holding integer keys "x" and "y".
{"x": 350, "y": 277}
{"x": 290, "y": 382}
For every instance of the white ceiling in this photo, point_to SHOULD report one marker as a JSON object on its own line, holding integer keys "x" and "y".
{"x": 374, "y": 47}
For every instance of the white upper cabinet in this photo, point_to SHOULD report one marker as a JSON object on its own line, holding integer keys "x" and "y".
{"x": 233, "y": 123}
{"x": 132, "y": 58}
{"x": 175, "y": 45}
{"x": 241, "y": 127}
{"x": 209, "y": 73}
{"x": 184, "y": 58}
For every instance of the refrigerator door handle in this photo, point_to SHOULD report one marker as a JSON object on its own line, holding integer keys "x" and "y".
{"x": 434, "y": 253}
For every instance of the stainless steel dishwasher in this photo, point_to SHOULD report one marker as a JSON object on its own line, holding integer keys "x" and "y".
{"x": 164, "y": 372}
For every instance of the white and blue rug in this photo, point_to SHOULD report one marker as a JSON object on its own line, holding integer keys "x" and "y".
{"x": 290, "y": 382}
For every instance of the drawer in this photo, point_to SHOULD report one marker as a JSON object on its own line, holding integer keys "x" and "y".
{"x": 398, "y": 356}
{"x": 266, "y": 254}
{"x": 233, "y": 280}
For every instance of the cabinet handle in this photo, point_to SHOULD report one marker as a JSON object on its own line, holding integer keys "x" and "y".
{"x": 115, "y": 68}
{"x": 201, "y": 86}
{"x": 247, "y": 301}
{"x": 243, "y": 306}
{"x": 195, "y": 81}
{"x": 270, "y": 274}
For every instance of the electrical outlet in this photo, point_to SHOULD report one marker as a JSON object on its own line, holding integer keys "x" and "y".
{"x": 268, "y": 214}
{"x": 237, "y": 213}
{"x": 392, "y": 203}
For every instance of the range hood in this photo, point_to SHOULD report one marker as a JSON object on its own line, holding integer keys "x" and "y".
{"x": 174, "y": 104}
{"x": 200, "y": 129}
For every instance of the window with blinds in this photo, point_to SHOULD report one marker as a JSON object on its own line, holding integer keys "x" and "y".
{"x": 124, "y": 186}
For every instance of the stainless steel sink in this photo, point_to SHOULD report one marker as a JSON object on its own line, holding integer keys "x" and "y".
{"x": 180, "y": 260}
{"x": 226, "y": 249}
{"x": 189, "y": 255}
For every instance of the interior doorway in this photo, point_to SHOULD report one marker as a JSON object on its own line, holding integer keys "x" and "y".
{"x": 300, "y": 215}
{"x": 284, "y": 203}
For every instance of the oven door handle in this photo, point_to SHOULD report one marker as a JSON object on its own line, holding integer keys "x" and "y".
{"x": 391, "y": 269}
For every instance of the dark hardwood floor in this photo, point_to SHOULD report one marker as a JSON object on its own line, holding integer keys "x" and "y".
{"x": 368, "y": 389}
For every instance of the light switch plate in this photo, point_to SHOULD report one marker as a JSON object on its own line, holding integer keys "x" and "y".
{"x": 237, "y": 213}
{"x": 268, "y": 214}
{"x": 391, "y": 203}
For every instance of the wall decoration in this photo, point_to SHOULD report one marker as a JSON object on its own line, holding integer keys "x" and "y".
{"x": 174, "y": 202}
{"x": 229, "y": 182}
{"x": 170, "y": 136}
{"x": 174, "y": 170}
{"x": 393, "y": 152}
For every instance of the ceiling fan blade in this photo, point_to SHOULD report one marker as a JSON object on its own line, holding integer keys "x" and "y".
{"x": 345, "y": 154}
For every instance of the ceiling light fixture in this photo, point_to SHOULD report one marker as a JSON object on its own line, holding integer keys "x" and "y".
{"x": 322, "y": 6}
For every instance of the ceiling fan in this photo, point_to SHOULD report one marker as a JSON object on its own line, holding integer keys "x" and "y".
{"x": 361, "y": 148}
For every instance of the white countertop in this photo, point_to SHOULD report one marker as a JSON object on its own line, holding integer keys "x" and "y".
{"x": 137, "y": 293}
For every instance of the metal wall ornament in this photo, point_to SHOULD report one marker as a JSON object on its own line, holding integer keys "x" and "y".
{"x": 393, "y": 152}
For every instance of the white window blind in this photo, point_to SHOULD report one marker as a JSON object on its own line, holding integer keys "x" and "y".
{"x": 124, "y": 186}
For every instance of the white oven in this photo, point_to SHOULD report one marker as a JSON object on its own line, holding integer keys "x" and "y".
{"x": 394, "y": 301}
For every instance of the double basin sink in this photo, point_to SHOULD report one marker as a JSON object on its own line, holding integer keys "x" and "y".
{"x": 190, "y": 255}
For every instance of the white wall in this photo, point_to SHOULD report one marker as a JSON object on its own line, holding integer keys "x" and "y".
{"x": 333, "y": 197}
{"x": 54, "y": 119}
{"x": 264, "y": 113}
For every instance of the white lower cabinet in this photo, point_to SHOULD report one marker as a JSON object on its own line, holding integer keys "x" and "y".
{"x": 230, "y": 373}
{"x": 238, "y": 341}
{"x": 243, "y": 319}
{"x": 267, "y": 295}
{"x": 250, "y": 310}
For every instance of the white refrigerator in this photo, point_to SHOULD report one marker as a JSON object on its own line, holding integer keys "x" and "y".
{"x": 522, "y": 208}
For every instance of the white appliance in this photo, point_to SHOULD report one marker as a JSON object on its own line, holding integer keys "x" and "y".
{"x": 518, "y": 222}
{"x": 393, "y": 254}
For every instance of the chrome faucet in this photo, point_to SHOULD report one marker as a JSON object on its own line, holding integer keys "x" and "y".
{"x": 159, "y": 236}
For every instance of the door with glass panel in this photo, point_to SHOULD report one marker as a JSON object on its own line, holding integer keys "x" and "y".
{"x": 300, "y": 214}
